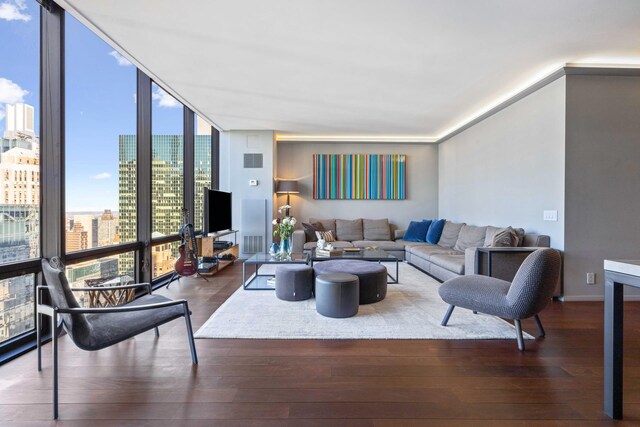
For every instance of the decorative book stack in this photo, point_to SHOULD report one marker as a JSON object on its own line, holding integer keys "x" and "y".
{"x": 328, "y": 253}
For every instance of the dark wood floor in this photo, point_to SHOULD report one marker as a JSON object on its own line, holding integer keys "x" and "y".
{"x": 151, "y": 382}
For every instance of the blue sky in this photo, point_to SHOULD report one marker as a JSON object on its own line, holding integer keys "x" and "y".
{"x": 100, "y": 101}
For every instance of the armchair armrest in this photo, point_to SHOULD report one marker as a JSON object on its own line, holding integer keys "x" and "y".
{"x": 114, "y": 288}
{"x": 299, "y": 238}
{"x": 120, "y": 309}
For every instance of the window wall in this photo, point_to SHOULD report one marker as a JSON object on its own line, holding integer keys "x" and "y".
{"x": 115, "y": 171}
{"x": 100, "y": 146}
{"x": 19, "y": 162}
{"x": 167, "y": 174}
{"x": 202, "y": 169}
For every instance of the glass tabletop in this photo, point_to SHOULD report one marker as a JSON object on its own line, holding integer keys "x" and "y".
{"x": 364, "y": 254}
{"x": 264, "y": 258}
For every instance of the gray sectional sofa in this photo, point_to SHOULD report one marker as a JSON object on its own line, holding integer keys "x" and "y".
{"x": 456, "y": 253}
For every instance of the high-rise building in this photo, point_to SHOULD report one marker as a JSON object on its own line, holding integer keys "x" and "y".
{"x": 90, "y": 225}
{"x": 77, "y": 239}
{"x": 202, "y": 170}
{"x": 19, "y": 215}
{"x": 107, "y": 228}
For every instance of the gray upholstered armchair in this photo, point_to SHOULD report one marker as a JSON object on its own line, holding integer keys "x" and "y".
{"x": 528, "y": 294}
{"x": 96, "y": 328}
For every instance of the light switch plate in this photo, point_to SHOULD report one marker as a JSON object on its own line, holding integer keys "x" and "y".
{"x": 550, "y": 215}
{"x": 253, "y": 182}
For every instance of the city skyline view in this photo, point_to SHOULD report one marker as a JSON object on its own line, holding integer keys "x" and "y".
{"x": 100, "y": 160}
{"x": 100, "y": 97}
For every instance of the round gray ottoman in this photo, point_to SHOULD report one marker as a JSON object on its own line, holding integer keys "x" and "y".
{"x": 373, "y": 276}
{"x": 337, "y": 295}
{"x": 294, "y": 282}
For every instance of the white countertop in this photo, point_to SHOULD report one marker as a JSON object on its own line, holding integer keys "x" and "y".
{"x": 624, "y": 266}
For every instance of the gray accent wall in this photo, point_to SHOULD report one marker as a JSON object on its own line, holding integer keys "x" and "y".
{"x": 509, "y": 168}
{"x": 295, "y": 161}
{"x": 602, "y": 179}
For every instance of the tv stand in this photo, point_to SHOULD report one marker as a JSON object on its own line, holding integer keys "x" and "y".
{"x": 225, "y": 257}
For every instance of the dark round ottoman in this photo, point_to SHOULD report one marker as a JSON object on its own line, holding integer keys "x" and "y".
{"x": 337, "y": 295}
{"x": 373, "y": 276}
{"x": 294, "y": 282}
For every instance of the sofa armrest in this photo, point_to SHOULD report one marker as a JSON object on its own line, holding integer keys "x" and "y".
{"x": 501, "y": 263}
{"x": 298, "y": 240}
{"x": 470, "y": 255}
{"x": 398, "y": 234}
{"x": 536, "y": 240}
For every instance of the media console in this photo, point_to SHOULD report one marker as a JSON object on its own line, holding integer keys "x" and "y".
{"x": 224, "y": 254}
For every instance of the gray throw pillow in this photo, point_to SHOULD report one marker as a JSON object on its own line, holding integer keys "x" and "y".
{"x": 470, "y": 236}
{"x": 505, "y": 238}
{"x": 327, "y": 224}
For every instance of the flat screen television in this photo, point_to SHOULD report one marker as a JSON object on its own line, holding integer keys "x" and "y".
{"x": 217, "y": 211}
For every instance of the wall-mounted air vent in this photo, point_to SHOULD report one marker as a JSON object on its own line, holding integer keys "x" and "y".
{"x": 253, "y": 160}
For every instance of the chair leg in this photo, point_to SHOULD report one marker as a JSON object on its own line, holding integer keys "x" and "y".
{"x": 157, "y": 332}
{"x": 192, "y": 343}
{"x": 540, "y": 328}
{"x": 39, "y": 340}
{"x": 519, "y": 337}
{"x": 447, "y": 315}
{"x": 54, "y": 340}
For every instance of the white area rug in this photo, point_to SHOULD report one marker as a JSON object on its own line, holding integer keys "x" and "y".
{"x": 412, "y": 310}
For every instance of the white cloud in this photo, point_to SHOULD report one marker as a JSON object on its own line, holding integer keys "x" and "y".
{"x": 164, "y": 99}
{"x": 14, "y": 11}
{"x": 103, "y": 175}
{"x": 10, "y": 93}
{"x": 122, "y": 61}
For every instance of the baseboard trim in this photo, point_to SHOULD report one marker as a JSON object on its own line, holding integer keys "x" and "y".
{"x": 594, "y": 298}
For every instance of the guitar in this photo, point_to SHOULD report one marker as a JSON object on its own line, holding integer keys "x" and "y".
{"x": 187, "y": 263}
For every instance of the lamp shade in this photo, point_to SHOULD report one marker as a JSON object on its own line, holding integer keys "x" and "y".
{"x": 287, "y": 186}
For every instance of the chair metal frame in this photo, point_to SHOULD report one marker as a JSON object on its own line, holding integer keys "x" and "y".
{"x": 55, "y": 312}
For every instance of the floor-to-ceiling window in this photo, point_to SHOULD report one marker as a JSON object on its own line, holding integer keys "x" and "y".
{"x": 201, "y": 168}
{"x": 100, "y": 153}
{"x": 19, "y": 160}
{"x": 167, "y": 168}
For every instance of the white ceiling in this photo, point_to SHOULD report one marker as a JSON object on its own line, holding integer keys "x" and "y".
{"x": 412, "y": 68}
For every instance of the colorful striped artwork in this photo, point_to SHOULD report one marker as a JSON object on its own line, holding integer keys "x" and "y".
{"x": 360, "y": 176}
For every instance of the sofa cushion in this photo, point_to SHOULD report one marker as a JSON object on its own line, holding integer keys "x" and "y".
{"x": 338, "y": 245}
{"x": 408, "y": 245}
{"x": 327, "y": 224}
{"x": 310, "y": 231}
{"x": 450, "y": 233}
{"x": 349, "y": 230}
{"x": 453, "y": 263}
{"x": 470, "y": 236}
{"x": 426, "y": 251}
{"x": 435, "y": 231}
{"x": 376, "y": 229}
{"x": 387, "y": 245}
{"x": 417, "y": 231}
{"x": 520, "y": 234}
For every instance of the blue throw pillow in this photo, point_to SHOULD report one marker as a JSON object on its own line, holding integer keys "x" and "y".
{"x": 417, "y": 231}
{"x": 435, "y": 231}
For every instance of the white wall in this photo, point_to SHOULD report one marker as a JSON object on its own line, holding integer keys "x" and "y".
{"x": 235, "y": 178}
{"x": 295, "y": 161}
{"x": 509, "y": 168}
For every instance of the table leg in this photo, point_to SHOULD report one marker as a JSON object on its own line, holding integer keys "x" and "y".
{"x": 613, "y": 328}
